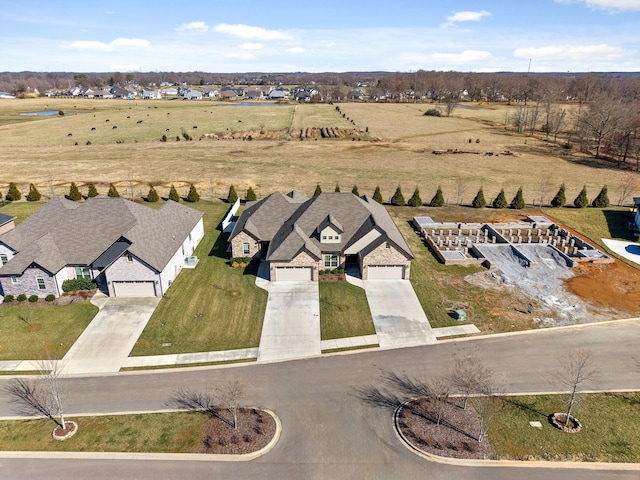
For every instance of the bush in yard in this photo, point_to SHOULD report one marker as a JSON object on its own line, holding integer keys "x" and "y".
{"x": 560, "y": 199}
{"x": 21, "y": 298}
{"x": 92, "y": 191}
{"x": 173, "y": 194}
{"x": 74, "y": 192}
{"x": 34, "y": 194}
{"x": 602, "y": 200}
{"x": 398, "y": 198}
{"x": 33, "y": 298}
{"x": 581, "y": 201}
{"x": 317, "y": 191}
{"x": 113, "y": 193}
{"x": 415, "y": 200}
{"x": 355, "y": 191}
{"x": 232, "y": 196}
{"x": 78, "y": 284}
{"x": 337, "y": 189}
{"x": 438, "y": 199}
{"x": 377, "y": 196}
{"x": 479, "y": 201}
{"x": 433, "y": 112}
{"x": 193, "y": 195}
{"x": 250, "y": 196}
{"x": 50, "y": 298}
{"x": 8, "y": 298}
{"x": 518, "y": 201}
{"x": 500, "y": 201}
{"x": 13, "y": 194}
{"x": 152, "y": 196}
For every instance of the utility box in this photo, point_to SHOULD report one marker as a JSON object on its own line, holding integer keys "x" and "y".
{"x": 459, "y": 314}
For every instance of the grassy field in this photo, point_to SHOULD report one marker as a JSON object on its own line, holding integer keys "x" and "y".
{"x": 344, "y": 311}
{"x": 36, "y": 332}
{"x": 212, "y": 307}
{"x": 20, "y": 210}
{"x": 609, "y": 429}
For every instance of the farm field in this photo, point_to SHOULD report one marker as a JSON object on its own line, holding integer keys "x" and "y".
{"x": 399, "y": 153}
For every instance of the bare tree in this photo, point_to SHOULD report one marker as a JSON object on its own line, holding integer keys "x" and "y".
{"x": 42, "y": 397}
{"x": 628, "y": 184}
{"x": 231, "y": 394}
{"x": 545, "y": 182}
{"x": 469, "y": 376}
{"x": 603, "y": 120}
{"x": 439, "y": 391}
{"x": 461, "y": 187}
{"x": 575, "y": 373}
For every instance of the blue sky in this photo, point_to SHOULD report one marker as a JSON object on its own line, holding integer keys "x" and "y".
{"x": 329, "y": 35}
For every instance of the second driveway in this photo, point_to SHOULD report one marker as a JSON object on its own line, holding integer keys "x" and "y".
{"x": 291, "y": 327}
{"x": 397, "y": 314}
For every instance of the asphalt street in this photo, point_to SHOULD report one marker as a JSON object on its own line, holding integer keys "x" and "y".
{"x": 330, "y": 430}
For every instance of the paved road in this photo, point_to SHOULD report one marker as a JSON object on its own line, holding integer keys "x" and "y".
{"x": 329, "y": 430}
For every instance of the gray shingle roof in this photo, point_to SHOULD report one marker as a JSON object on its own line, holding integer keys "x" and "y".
{"x": 5, "y": 218}
{"x": 63, "y": 232}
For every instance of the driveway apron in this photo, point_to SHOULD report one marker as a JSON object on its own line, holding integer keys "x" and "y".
{"x": 397, "y": 314}
{"x": 291, "y": 327}
{"x": 109, "y": 338}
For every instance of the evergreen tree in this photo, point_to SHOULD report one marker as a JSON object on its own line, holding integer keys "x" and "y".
{"x": 113, "y": 192}
{"x": 560, "y": 199}
{"x": 602, "y": 200}
{"x": 500, "y": 201}
{"x": 92, "y": 191}
{"x": 415, "y": 200}
{"x": 317, "y": 191}
{"x": 438, "y": 199}
{"x": 355, "y": 191}
{"x": 377, "y": 196}
{"x": 193, "y": 195}
{"x": 251, "y": 195}
{"x": 337, "y": 190}
{"x": 232, "y": 196}
{"x": 13, "y": 194}
{"x": 479, "y": 201}
{"x": 398, "y": 198}
{"x": 34, "y": 194}
{"x": 173, "y": 194}
{"x": 581, "y": 201}
{"x": 74, "y": 193}
{"x": 152, "y": 196}
{"x": 518, "y": 201}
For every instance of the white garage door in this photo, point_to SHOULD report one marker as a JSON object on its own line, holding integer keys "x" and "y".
{"x": 134, "y": 289}
{"x": 284, "y": 274}
{"x": 381, "y": 272}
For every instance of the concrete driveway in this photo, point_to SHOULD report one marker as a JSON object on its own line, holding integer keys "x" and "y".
{"x": 107, "y": 341}
{"x": 397, "y": 314}
{"x": 291, "y": 327}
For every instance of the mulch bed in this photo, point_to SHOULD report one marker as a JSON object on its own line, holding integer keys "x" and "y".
{"x": 255, "y": 430}
{"x": 64, "y": 299}
{"x": 332, "y": 277}
{"x": 455, "y": 437}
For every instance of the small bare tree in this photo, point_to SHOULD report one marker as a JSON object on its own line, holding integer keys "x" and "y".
{"x": 575, "y": 373}
{"x": 231, "y": 394}
{"x": 470, "y": 376}
{"x": 628, "y": 183}
{"x": 545, "y": 182}
{"x": 439, "y": 390}
{"x": 461, "y": 187}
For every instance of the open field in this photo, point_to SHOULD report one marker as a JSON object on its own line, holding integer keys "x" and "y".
{"x": 39, "y": 150}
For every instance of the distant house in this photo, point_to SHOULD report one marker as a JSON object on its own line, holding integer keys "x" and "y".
{"x": 278, "y": 94}
{"x": 169, "y": 92}
{"x": 210, "y": 92}
{"x": 104, "y": 93}
{"x": 129, "y": 250}
{"x": 255, "y": 94}
{"x": 151, "y": 94}
{"x": 119, "y": 92}
{"x": 192, "y": 95}
{"x": 299, "y": 236}
{"x": 229, "y": 95}
{"x": 355, "y": 95}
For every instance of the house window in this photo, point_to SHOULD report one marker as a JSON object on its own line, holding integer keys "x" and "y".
{"x": 129, "y": 258}
{"x": 41, "y": 284}
{"x": 3, "y": 258}
{"x": 331, "y": 261}
{"x": 83, "y": 272}
{"x": 388, "y": 245}
{"x": 14, "y": 279}
{"x": 324, "y": 237}
{"x": 245, "y": 249}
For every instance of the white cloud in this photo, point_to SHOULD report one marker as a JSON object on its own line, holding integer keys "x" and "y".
{"x": 249, "y": 32}
{"x": 107, "y": 47}
{"x": 466, "y": 16}
{"x": 611, "y": 5}
{"x": 295, "y": 50}
{"x": 467, "y": 56}
{"x": 200, "y": 27}
{"x": 250, "y": 46}
{"x": 572, "y": 53}
{"x": 240, "y": 55}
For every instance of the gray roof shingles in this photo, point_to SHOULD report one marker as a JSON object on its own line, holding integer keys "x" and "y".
{"x": 5, "y": 219}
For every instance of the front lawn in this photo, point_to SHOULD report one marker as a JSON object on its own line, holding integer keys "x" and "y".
{"x": 212, "y": 307}
{"x": 344, "y": 311}
{"x": 36, "y": 332}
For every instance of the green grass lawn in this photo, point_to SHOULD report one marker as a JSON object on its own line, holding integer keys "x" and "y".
{"x": 36, "y": 332}
{"x": 179, "y": 432}
{"x": 609, "y": 429}
{"x": 20, "y": 210}
{"x": 344, "y": 311}
{"x": 212, "y": 307}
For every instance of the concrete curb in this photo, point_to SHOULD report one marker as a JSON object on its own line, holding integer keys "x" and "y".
{"x": 188, "y": 457}
{"x": 505, "y": 463}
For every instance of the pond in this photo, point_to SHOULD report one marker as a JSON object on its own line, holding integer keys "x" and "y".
{"x": 44, "y": 112}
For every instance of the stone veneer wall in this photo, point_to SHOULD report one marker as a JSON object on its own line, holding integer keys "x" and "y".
{"x": 236, "y": 245}
{"x": 302, "y": 260}
{"x": 27, "y": 283}
{"x": 382, "y": 255}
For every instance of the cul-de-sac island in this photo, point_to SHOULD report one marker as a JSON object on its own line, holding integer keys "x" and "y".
{"x": 330, "y": 275}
